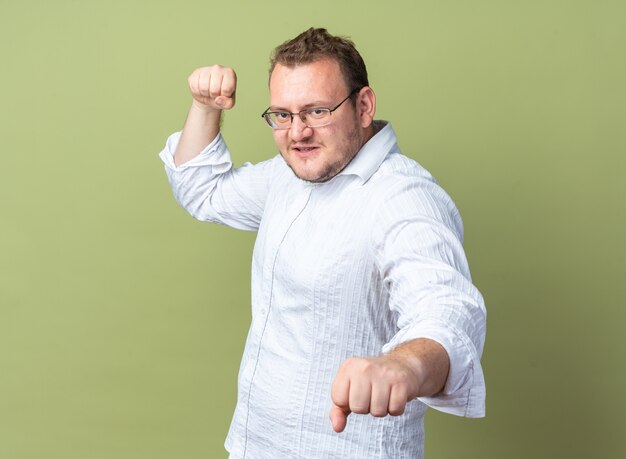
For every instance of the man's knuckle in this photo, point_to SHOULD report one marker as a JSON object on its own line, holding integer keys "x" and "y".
{"x": 349, "y": 364}
{"x": 339, "y": 399}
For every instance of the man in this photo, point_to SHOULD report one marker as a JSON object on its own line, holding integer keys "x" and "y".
{"x": 362, "y": 301}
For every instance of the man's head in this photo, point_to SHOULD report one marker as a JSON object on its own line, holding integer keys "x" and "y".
{"x": 318, "y": 70}
{"x": 314, "y": 45}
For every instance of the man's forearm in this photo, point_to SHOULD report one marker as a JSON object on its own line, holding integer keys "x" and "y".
{"x": 213, "y": 90}
{"x": 429, "y": 362}
{"x": 201, "y": 128}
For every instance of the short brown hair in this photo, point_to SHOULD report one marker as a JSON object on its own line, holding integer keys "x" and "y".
{"x": 313, "y": 45}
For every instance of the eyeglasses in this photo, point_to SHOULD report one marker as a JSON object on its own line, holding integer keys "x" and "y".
{"x": 311, "y": 117}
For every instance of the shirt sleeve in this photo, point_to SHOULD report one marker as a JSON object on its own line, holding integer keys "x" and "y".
{"x": 210, "y": 189}
{"x": 421, "y": 258}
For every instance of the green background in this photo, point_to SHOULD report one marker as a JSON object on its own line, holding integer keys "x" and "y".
{"x": 122, "y": 319}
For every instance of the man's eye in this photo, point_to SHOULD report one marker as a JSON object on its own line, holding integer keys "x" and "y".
{"x": 283, "y": 116}
{"x": 317, "y": 112}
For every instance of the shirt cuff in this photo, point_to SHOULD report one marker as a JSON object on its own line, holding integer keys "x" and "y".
{"x": 214, "y": 154}
{"x": 464, "y": 392}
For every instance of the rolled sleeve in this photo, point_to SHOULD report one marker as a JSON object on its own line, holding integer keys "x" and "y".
{"x": 464, "y": 391}
{"x": 215, "y": 155}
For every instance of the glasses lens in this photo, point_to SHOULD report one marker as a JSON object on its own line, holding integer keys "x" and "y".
{"x": 317, "y": 117}
{"x": 278, "y": 120}
{"x": 268, "y": 119}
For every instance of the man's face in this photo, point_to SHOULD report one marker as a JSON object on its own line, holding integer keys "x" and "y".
{"x": 316, "y": 154}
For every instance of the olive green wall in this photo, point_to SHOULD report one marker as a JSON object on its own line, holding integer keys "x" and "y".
{"x": 122, "y": 320}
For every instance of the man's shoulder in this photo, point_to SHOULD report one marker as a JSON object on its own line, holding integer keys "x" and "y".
{"x": 401, "y": 183}
{"x": 397, "y": 168}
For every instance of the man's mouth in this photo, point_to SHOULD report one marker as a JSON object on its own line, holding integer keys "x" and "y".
{"x": 305, "y": 151}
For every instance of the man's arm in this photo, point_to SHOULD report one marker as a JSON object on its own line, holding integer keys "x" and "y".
{"x": 440, "y": 314}
{"x": 199, "y": 166}
{"x": 383, "y": 385}
{"x": 213, "y": 90}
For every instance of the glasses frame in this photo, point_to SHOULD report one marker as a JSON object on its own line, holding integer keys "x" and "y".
{"x": 302, "y": 114}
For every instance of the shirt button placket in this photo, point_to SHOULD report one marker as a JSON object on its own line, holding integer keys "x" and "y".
{"x": 259, "y": 325}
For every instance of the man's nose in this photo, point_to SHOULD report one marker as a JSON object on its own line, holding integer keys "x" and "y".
{"x": 298, "y": 130}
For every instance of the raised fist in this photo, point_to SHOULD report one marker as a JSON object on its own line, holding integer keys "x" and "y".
{"x": 214, "y": 87}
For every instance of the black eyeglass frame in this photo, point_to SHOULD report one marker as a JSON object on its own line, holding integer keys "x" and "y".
{"x": 302, "y": 113}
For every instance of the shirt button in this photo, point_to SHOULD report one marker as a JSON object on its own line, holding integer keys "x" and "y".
{"x": 263, "y": 311}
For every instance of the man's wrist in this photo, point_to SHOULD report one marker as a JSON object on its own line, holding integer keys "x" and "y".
{"x": 205, "y": 109}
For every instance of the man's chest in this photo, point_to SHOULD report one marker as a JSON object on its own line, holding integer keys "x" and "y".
{"x": 315, "y": 234}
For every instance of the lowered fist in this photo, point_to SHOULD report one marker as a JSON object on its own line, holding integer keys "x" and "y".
{"x": 383, "y": 385}
{"x": 376, "y": 385}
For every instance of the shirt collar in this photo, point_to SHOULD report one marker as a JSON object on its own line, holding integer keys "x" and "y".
{"x": 372, "y": 154}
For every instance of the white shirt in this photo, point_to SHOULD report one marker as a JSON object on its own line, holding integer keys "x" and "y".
{"x": 347, "y": 268}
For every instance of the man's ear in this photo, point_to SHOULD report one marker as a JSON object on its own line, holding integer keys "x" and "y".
{"x": 366, "y": 106}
